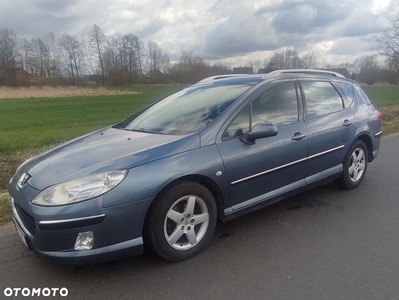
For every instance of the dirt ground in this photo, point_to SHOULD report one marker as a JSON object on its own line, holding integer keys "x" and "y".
{"x": 7, "y": 228}
{"x": 55, "y": 92}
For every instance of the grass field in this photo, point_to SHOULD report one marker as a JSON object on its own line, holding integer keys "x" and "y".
{"x": 34, "y": 120}
{"x": 383, "y": 96}
{"x": 386, "y": 99}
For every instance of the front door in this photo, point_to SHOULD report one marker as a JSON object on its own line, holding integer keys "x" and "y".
{"x": 273, "y": 165}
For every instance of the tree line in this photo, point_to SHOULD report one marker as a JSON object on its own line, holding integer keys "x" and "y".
{"x": 121, "y": 59}
{"x": 117, "y": 60}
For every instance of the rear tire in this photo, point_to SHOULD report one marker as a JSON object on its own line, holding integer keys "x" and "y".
{"x": 181, "y": 221}
{"x": 355, "y": 166}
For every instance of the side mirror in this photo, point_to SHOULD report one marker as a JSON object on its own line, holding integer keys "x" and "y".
{"x": 259, "y": 131}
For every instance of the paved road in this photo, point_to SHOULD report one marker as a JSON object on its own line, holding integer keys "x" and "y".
{"x": 322, "y": 244}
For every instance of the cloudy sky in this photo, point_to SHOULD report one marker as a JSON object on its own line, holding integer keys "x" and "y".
{"x": 227, "y": 31}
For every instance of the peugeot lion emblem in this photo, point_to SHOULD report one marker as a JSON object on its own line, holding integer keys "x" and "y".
{"x": 23, "y": 180}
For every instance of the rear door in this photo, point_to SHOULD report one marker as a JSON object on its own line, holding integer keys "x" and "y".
{"x": 329, "y": 126}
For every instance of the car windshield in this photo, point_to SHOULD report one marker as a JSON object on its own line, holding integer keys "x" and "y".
{"x": 189, "y": 110}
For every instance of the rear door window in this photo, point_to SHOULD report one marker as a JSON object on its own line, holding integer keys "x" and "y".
{"x": 321, "y": 98}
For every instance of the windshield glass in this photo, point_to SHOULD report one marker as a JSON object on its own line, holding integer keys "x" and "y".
{"x": 189, "y": 110}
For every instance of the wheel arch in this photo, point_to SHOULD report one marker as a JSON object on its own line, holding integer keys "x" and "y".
{"x": 367, "y": 141}
{"x": 208, "y": 183}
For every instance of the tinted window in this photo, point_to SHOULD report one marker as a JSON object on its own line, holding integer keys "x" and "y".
{"x": 239, "y": 126}
{"x": 347, "y": 92}
{"x": 321, "y": 98}
{"x": 277, "y": 105}
{"x": 188, "y": 110}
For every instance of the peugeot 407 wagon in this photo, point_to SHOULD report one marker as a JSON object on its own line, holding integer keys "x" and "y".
{"x": 165, "y": 176}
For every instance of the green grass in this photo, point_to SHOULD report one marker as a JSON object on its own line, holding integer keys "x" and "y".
{"x": 5, "y": 211}
{"x": 383, "y": 96}
{"x": 386, "y": 99}
{"x": 36, "y": 123}
{"x": 40, "y": 122}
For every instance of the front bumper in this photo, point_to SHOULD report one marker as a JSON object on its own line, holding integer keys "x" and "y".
{"x": 117, "y": 230}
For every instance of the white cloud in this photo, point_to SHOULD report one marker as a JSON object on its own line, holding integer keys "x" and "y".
{"x": 379, "y": 6}
{"x": 230, "y": 31}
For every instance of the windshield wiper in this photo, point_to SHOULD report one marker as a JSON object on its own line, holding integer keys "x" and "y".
{"x": 144, "y": 131}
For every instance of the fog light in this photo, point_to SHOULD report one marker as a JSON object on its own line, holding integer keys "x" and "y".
{"x": 84, "y": 241}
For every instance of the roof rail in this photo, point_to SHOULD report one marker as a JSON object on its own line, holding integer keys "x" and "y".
{"x": 306, "y": 71}
{"x": 212, "y": 78}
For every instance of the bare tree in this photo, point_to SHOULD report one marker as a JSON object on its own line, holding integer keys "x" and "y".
{"x": 369, "y": 69}
{"x": 390, "y": 40}
{"x": 121, "y": 52}
{"x": 37, "y": 57}
{"x": 85, "y": 49}
{"x": 390, "y": 49}
{"x": 97, "y": 43}
{"x": 9, "y": 51}
{"x": 116, "y": 59}
{"x": 310, "y": 61}
{"x": 155, "y": 56}
{"x": 26, "y": 49}
{"x": 40, "y": 56}
{"x": 51, "y": 42}
{"x": 110, "y": 55}
{"x": 140, "y": 53}
{"x": 73, "y": 55}
{"x": 285, "y": 59}
{"x": 190, "y": 68}
{"x": 165, "y": 63}
{"x": 132, "y": 56}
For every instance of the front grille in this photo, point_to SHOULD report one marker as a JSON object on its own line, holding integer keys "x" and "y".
{"x": 27, "y": 220}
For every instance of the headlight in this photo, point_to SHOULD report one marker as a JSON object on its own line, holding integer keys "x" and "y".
{"x": 80, "y": 189}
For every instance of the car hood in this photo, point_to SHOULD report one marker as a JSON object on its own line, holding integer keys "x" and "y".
{"x": 101, "y": 151}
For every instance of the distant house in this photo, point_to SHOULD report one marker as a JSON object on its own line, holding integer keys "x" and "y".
{"x": 265, "y": 70}
{"x": 92, "y": 79}
{"x": 244, "y": 70}
{"x": 19, "y": 75}
{"x": 154, "y": 76}
{"x": 342, "y": 71}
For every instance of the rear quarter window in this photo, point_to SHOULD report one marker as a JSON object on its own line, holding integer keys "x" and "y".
{"x": 347, "y": 92}
{"x": 363, "y": 96}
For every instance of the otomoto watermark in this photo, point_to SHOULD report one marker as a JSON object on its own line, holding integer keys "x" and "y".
{"x": 35, "y": 292}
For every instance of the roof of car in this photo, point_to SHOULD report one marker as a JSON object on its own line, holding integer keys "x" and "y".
{"x": 255, "y": 78}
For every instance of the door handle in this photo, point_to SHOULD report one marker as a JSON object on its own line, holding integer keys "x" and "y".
{"x": 347, "y": 123}
{"x": 298, "y": 136}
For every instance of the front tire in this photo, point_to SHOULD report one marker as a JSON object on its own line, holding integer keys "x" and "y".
{"x": 181, "y": 222}
{"x": 355, "y": 166}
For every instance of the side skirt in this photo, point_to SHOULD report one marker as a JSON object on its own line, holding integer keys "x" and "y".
{"x": 283, "y": 193}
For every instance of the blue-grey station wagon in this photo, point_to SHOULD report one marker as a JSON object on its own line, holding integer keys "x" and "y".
{"x": 164, "y": 177}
